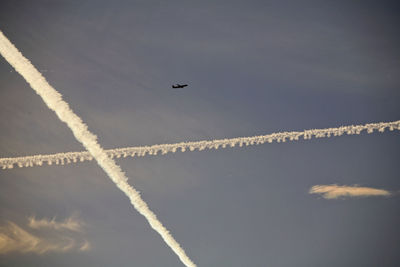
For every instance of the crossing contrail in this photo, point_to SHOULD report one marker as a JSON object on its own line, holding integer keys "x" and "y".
{"x": 73, "y": 157}
{"x": 54, "y": 101}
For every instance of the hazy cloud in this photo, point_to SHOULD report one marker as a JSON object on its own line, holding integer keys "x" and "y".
{"x": 336, "y": 191}
{"x": 42, "y": 236}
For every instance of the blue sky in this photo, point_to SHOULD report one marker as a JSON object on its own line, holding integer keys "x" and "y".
{"x": 253, "y": 67}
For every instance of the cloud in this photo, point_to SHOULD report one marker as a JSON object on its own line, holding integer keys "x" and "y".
{"x": 85, "y": 246}
{"x": 42, "y": 237}
{"x": 70, "y": 223}
{"x": 336, "y": 191}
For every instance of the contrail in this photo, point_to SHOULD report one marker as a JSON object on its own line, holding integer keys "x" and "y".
{"x": 72, "y": 157}
{"x": 55, "y": 102}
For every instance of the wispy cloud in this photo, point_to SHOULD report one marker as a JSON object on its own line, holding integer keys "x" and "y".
{"x": 71, "y": 223}
{"x": 336, "y": 191}
{"x": 85, "y": 246}
{"x": 73, "y": 157}
{"x": 40, "y": 240}
{"x": 55, "y": 102}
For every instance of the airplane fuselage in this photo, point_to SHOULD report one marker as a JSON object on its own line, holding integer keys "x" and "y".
{"x": 179, "y": 86}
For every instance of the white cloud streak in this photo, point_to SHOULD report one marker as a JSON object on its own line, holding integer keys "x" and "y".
{"x": 48, "y": 238}
{"x": 70, "y": 223}
{"x": 54, "y": 101}
{"x": 337, "y": 191}
{"x": 73, "y": 157}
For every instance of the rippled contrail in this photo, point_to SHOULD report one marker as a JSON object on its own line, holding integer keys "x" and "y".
{"x": 55, "y": 102}
{"x": 72, "y": 157}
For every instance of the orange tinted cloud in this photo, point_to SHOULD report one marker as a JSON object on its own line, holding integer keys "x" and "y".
{"x": 336, "y": 191}
{"x": 42, "y": 236}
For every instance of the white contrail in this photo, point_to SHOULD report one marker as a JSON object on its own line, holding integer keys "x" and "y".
{"x": 55, "y": 102}
{"x": 71, "y": 157}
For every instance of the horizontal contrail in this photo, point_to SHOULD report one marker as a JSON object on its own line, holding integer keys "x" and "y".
{"x": 73, "y": 157}
{"x": 54, "y": 101}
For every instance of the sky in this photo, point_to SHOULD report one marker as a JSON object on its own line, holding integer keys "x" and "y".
{"x": 253, "y": 68}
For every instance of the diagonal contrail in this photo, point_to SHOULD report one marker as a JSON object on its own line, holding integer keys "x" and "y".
{"x": 55, "y": 102}
{"x": 71, "y": 157}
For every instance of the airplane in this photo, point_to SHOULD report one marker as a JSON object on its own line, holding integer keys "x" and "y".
{"x": 179, "y": 85}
